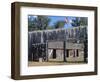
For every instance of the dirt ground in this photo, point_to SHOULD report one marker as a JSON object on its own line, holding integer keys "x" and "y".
{"x": 51, "y": 63}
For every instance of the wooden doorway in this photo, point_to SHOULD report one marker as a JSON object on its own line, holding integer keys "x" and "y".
{"x": 54, "y": 54}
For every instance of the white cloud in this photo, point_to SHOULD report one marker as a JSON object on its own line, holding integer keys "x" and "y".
{"x": 35, "y": 16}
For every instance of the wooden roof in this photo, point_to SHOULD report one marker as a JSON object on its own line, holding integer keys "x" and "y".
{"x": 59, "y": 45}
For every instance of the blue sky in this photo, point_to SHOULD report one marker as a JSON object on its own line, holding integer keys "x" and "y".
{"x": 61, "y": 18}
{"x": 54, "y": 19}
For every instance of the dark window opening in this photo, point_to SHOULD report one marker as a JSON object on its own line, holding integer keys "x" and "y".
{"x": 73, "y": 53}
{"x": 54, "y": 53}
{"x": 67, "y": 53}
{"x": 77, "y": 54}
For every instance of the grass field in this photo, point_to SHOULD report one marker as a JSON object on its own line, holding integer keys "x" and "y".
{"x": 52, "y": 63}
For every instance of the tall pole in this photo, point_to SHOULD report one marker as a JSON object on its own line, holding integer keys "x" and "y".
{"x": 47, "y": 51}
{"x": 64, "y": 44}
